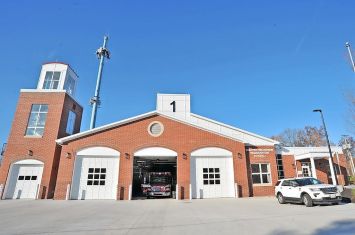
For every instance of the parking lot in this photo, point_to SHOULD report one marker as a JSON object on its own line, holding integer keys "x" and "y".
{"x": 210, "y": 216}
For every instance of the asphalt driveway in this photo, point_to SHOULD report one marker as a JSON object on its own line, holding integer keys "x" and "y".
{"x": 210, "y": 216}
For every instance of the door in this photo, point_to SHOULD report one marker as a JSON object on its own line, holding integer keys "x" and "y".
{"x": 212, "y": 177}
{"x": 95, "y": 178}
{"x": 24, "y": 181}
{"x": 306, "y": 169}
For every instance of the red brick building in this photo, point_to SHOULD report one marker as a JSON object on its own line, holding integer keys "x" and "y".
{"x": 48, "y": 157}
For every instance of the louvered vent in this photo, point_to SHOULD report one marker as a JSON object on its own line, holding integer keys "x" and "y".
{"x": 155, "y": 128}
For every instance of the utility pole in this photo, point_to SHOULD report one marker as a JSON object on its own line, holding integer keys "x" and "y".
{"x": 101, "y": 53}
{"x": 347, "y": 45}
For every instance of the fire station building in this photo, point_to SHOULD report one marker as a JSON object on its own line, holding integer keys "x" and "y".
{"x": 48, "y": 157}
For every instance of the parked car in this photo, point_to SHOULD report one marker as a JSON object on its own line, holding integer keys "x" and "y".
{"x": 306, "y": 190}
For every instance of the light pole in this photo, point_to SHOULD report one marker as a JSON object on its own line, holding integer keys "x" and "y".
{"x": 330, "y": 151}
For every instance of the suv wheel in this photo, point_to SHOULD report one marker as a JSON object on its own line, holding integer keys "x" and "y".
{"x": 281, "y": 198}
{"x": 307, "y": 200}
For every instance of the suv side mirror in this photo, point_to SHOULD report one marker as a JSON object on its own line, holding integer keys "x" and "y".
{"x": 294, "y": 184}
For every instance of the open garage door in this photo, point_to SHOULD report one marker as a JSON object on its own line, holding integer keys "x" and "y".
{"x": 95, "y": 174}
{"x": 154, "y": 173}
{"x": 24, "y": 180}
{"x": 212, "y": 173}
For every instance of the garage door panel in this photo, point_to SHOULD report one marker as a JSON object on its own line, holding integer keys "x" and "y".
{"x": 95, "y": 178}
{"x": 212, "y": 177}
{"x": 24, "y": 181}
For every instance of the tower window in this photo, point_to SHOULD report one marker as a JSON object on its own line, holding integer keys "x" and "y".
{"x": 71, "y": 122}
{"x": 51, "y": 80}
{"x": 37, "y": 120}
{"x": 69, "y": 85}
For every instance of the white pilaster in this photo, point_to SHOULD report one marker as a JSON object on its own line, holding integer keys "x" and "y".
{"x": 313, "y": 168}
{"x": 332, "y": 170}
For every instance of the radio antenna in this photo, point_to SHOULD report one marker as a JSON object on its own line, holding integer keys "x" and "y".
{"x": 101, "y": 54}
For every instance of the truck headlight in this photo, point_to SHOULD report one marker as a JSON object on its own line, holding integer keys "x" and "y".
{"x": 315, "y": 189}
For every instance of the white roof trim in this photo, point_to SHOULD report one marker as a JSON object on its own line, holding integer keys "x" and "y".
{"x": 303, "y": 150}
{"x": 155, "y": 152}
{"x": 184, "y": 121}
{"x": 313, "y": 155}
{"x": 236, "y": 129}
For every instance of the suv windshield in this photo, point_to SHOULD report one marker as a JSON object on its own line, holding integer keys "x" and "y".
{"x": 308, "y": 181}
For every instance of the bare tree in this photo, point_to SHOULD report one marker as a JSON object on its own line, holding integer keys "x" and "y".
{"x": 309, "y": 136}
{"x": 288, "y": 137}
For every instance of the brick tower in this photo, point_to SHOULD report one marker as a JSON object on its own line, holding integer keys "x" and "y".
{"x": 30, "y": 164}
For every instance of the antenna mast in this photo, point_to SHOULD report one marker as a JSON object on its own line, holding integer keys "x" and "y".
{"x": 101, "y": 53}
{"x": 347, "y": 45}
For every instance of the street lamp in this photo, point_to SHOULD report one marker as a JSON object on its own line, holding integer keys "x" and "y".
{"x": 330, "y": 151}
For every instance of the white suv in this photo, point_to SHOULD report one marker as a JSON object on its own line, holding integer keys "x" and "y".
{"x": 306, "y": 190}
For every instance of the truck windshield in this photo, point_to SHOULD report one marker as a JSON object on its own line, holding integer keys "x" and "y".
{"x": 308, "y": 181}
{"x": 159, "y": 179}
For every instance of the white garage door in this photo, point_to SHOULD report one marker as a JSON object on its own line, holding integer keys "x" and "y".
{"x": 95, "y": 178}
{"x": 212, "y": 177}
{"x": 24, "y": 181}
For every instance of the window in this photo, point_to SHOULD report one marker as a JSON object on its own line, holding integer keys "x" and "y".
{"x": 211, "y": 176}
{"x": 260, "y": 173}
{"x": 27, "y": 177}
{"x": 51, "y": 80}
{"x": 69, "y": 85}
{"x": 280, "y": 167}
{"x": 306, "y": 169}
{"x": 70, "y": 122}
{"x": 96, "y": 176}
{"x": 37, "y": 120}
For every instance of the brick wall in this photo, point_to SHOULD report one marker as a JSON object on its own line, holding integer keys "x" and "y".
{"x": 44, "y": 148}
{"x": 129, "y": 138}
{"x": 262, "y": 154}
{"x": 288, "y": 162}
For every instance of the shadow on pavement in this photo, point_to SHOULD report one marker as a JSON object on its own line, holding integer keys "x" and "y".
{"x": 344, "y": 227}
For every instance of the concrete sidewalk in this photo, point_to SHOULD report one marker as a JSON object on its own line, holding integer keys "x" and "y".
{"x": 210, "y": 216}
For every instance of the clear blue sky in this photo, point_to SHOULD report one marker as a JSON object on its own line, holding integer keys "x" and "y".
{"x": 258, "y": 65}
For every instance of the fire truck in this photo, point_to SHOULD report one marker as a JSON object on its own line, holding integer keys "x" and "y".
{"x": 158, "y": 185}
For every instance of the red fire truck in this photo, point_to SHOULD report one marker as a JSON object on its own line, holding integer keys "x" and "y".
{"x": 159, "y": 185}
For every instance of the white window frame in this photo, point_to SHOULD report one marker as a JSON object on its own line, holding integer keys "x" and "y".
{"x": 70, "y": 122}
{"x": 260, "y": 173}
{"x": 51, "y": 80}
{"x": 36, "y": 115}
